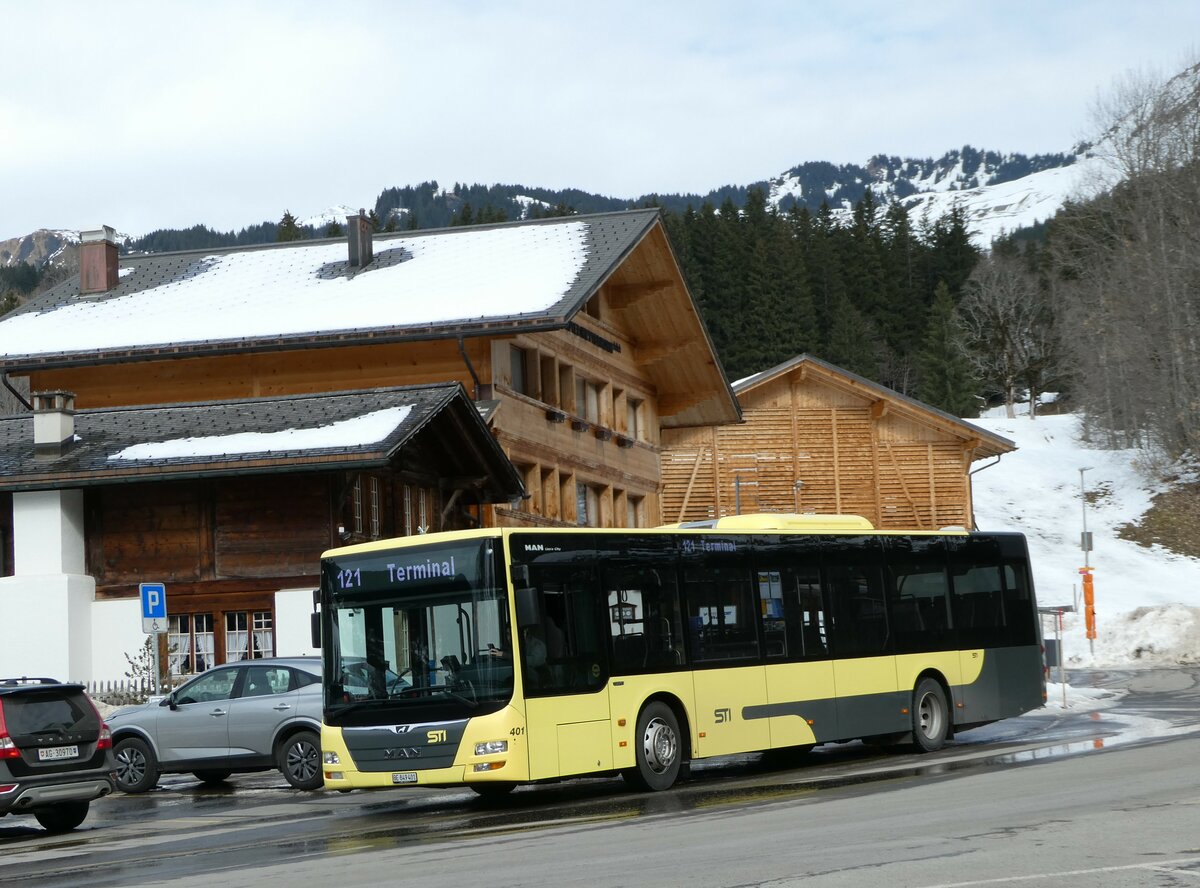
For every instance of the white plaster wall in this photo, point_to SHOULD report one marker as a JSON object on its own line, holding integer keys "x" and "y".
{"x": 293, "y": 637}
{"x": 46, "y": 626}
{"x": 116, "y": 631}
{"x": 48, "y": 532}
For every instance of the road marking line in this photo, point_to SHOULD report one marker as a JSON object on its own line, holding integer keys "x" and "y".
{"x": 1166, "y": 865}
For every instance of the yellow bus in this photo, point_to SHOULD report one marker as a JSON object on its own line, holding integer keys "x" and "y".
{"x": 497, "y": 657}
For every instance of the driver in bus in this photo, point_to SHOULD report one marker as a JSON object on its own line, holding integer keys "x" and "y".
{"x": 535, "y": 648}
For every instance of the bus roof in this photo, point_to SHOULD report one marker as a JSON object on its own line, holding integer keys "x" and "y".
{"x": 746, "y": 523}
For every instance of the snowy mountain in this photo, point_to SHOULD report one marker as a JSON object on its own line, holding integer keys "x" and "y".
{"x": 998, "y": 193}
{"x": 320, "y": 221}
{"x": 40, "y": 248}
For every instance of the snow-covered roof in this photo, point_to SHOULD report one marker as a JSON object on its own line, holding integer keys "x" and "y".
{"x": 325, "y": 432}
{"x": 423, "y": 284}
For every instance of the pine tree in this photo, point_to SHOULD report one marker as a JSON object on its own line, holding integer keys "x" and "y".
{"x": 288, "y": 229}
{"x": 852, "y": 339}
{"x": 334, "y": 229}
{"x": 946, "y": 380}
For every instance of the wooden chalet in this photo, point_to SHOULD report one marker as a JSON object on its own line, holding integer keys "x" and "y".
{"x": 574, "y": 340}
{"x": 816, "y": 438}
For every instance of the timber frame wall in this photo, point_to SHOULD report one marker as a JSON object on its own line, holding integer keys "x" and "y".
{"x": 853, "y": 451}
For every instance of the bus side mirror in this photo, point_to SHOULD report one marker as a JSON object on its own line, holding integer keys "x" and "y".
{"x": 314, "y": 628}
{"x": 527, "y": 606}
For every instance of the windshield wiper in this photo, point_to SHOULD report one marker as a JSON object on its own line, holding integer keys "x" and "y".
{"x": 442, "y": 689}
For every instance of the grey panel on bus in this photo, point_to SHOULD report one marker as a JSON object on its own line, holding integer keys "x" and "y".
{"x": 404, "y": 747}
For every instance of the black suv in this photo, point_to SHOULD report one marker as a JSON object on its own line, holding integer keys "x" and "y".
{"x": 55, "y": 752}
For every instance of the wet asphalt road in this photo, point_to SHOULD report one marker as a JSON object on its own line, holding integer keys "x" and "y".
{"x": 256, "y": 830}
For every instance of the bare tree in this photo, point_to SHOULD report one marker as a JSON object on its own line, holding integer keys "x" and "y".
{"x": 1128, "y": 270}
{"x": 1010, "y": 329}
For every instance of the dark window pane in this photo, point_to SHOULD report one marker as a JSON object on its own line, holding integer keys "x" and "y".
{"x": 722, "y": 604}
{"x": 855, "y": 584}
{"x": 918, "y": 594}
{"x": 645, "y": 622}
{"x": 563, "y": 652}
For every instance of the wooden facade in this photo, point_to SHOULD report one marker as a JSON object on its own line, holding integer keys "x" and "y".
{"x": 818, "y": 439}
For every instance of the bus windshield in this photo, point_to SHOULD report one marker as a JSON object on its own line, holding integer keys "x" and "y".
{"x": 419, "y": 632}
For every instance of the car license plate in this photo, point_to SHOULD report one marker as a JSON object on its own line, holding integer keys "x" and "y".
{"x": 405, "y": 777}
{"x": 54, "y": 753}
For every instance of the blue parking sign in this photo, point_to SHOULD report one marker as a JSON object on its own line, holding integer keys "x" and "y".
{"x": 154, "y": 607}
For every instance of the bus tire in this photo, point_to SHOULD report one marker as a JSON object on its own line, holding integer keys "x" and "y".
{"x": 930, "y": 716}
{"x": 492, "y": 790}
{"x": 658, "y": 749}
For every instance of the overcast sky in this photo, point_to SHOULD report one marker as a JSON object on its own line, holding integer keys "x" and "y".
{"x": 167, "y": 114}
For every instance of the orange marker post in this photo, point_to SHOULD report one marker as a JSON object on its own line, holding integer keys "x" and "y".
{"x": 1089, "y": 602}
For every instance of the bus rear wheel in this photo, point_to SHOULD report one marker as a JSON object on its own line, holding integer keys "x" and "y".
{"x": 658, "y": 750}
{"x": 930, "y": 716}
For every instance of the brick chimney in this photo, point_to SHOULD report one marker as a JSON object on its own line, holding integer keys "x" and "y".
{"x": 358, "y": 234}
{"x": 98, "y": 261}
{"x": 53, "y": 422}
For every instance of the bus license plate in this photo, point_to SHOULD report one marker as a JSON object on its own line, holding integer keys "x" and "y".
{"x": 405, "y": 777}
{"x": 55, "y": 753}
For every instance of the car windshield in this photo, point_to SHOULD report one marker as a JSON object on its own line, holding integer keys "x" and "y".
{"x": 416, "y": 627}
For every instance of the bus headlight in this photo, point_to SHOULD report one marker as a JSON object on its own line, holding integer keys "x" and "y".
{"x": 491, "y": 747}
{"x": 331, "y": 758}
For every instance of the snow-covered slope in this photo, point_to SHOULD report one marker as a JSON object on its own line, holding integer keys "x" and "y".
{"x": 1147, "y": 599}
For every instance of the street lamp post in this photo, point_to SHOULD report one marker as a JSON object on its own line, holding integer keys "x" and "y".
{"x": 1085, "y": 542}
{"x": 796, "y": 494}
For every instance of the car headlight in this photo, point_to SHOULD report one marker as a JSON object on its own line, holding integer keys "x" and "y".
{"x": 491, "y": 747}
{"x": 331, "y": 758}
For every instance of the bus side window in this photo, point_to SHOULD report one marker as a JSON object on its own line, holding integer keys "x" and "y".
{"x": 570, "y": 657}
{"x": 803, "y": 617}
{"x": 721, "y": 612}
{"x": 860, "y": 618}
{"x": 645, "y": 622}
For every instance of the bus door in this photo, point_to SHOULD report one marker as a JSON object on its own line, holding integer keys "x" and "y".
{"x": 869, "y": 699}
{"x": 563, "y": 670}
{"x": 800, "y": 689}
{"x": 722, "y": 611}
{"x": 647, "y": 654}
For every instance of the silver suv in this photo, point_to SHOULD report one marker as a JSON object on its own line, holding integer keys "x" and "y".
{"x": 55, "y": 752}
{"x": 252, "y": 715}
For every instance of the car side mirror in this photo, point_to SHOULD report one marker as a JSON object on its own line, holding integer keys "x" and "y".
{"x": 169, "y": 700}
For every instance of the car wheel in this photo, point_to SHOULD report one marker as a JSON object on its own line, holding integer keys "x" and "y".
{"x": 62, "y": 817}
{"x": 211, "y": 776}
{"x": 299, "y": 758}
{"x": 137, "y": 768}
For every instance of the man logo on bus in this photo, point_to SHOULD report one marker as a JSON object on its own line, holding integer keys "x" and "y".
{"x": 410, "y": 752}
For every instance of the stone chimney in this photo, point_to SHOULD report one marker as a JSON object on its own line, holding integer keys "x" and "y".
{"x": 53, "y": 422}
{"x": 358, "y": 234}
{"x": 98, "y": 261}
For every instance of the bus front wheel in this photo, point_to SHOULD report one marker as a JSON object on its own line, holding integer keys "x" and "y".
{"x": 930, "y": 716}
{"x": 658, "y": 749}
